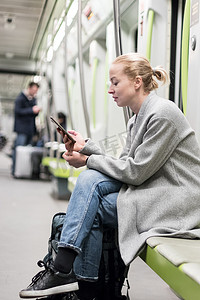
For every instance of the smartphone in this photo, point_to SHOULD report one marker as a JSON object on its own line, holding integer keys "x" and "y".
{"x": 63, "y": 129}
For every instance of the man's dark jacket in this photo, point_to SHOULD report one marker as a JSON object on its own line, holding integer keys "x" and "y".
{"x": 24, "y": 116}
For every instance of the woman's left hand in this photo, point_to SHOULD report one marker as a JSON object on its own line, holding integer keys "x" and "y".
{"x": 75, "y": 159}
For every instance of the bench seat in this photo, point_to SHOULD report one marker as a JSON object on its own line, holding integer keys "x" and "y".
{"x": 177, "y": 262}
{"x": 59, "y": 169}
{"x": 73, "y": 177}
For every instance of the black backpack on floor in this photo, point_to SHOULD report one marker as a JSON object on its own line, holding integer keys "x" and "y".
{"x": 112, "y": 271}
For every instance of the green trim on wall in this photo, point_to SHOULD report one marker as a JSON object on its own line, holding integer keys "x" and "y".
{"x": 149, "y": 33}
{"x": 185, "y": 54}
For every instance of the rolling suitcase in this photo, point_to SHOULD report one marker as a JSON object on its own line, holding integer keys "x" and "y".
{"x": 23, "y": 165}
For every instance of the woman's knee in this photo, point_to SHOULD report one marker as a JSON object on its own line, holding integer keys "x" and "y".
{"x": 88, "y": 177}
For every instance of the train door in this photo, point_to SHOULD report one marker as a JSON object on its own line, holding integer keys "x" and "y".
{"x": 192, "y": 105}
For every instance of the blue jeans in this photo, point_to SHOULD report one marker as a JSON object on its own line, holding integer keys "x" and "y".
{"x": 92, "y": 206}
{"x": 21, "y": 140}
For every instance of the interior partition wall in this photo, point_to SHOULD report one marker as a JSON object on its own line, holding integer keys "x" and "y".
{"x": 192, "y": 106}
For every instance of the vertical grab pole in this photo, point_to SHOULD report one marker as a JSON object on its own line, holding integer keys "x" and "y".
{"x": 66, "y": 77}
{"x": 185, "y": 54}
{"x": 117, "y": 27}
{"x": 118, "y": 45}
{"x": 81, "y": 73}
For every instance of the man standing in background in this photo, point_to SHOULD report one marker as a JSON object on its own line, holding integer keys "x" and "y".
{"x": 26, "y": 110}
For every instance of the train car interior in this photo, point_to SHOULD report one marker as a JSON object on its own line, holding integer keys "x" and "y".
{"x": 67, "y": 47}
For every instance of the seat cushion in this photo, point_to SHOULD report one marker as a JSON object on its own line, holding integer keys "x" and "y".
{"x": 177, "y": 251}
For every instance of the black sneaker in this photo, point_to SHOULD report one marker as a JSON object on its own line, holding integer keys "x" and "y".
{"x": 65, "y": 296}
{"x": 50, "y": 282}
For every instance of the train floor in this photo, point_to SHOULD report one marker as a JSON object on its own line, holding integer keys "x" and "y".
{"x": 26, "y": 210}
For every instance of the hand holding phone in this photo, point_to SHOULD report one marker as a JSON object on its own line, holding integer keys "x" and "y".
{"x": 63, "y": 130}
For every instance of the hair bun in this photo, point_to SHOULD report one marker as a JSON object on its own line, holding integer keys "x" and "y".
{"x": 154, "y": 71}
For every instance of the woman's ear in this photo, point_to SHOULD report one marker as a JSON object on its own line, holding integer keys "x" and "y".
{"x": 138, "y": 82}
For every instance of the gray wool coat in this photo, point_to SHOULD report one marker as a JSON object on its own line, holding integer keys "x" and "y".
{"x": 160, "y": 169}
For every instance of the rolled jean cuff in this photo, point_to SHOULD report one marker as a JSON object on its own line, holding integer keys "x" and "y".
{"x": 77, "y": 249}
{"x": 83, "y": 278}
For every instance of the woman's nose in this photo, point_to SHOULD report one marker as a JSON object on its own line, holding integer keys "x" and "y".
{"x": 110, "y": 91}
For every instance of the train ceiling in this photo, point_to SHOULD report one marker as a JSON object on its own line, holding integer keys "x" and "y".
{"x": 24, "y": 29}
{"x": 23, "y": 24}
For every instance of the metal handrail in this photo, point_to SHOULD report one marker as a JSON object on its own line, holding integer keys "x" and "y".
{"x": 81, "y": 72}
{"x": 66, "y": 78}
{"x": 117, "y": 27}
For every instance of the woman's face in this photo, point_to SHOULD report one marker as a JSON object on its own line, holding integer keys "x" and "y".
{"x": 121, "y": 88}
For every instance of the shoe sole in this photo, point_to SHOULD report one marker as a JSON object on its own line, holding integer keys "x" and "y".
{"x": 48, "y": 292}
